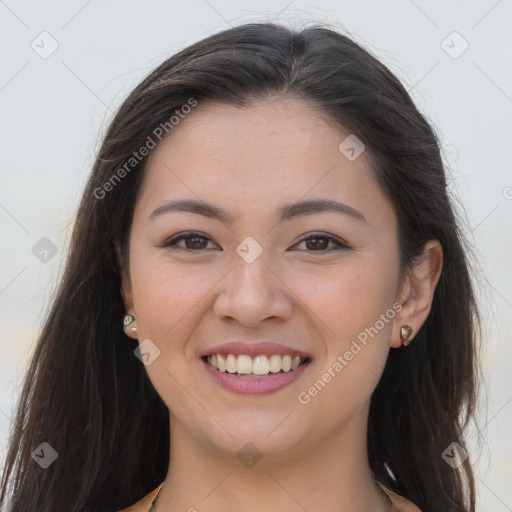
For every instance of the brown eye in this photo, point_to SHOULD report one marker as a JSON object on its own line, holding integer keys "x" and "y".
{"x": 319, "y": 242}
{"x": 188, "y": 242}
{"x": 195, "y": 242}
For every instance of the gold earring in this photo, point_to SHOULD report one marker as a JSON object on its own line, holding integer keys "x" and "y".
{"x": 129, "y": 325}
{"x": 405, "y": 334}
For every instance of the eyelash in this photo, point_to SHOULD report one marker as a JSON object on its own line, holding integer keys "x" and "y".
{"x": 171, "y": 242}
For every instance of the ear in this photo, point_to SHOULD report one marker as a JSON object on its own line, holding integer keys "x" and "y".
{"x": 417, "y": 291}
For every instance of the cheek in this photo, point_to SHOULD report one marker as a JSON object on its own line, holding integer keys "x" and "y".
{"x": 353, "y": 310}
{"x": 167, "y": 299}
{"x": 348, "y": 309}
{"x": 348, "y": 299}
{"x": 168, "y": 302}
{"x": 163, "y": 285}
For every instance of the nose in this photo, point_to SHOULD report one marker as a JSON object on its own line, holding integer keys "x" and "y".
{"x": 253, "y": 293}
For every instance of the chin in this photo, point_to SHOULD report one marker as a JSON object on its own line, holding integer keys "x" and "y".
{"x": 268, "y": 435}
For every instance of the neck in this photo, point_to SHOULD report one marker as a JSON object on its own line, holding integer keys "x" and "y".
{"x": 332, "y": 475}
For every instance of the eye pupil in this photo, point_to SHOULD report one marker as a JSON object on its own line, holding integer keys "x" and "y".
{"x": 317, "y": 243}
{"x": 195, "y": 241}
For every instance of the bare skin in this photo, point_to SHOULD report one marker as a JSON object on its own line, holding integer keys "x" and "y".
{"x": 310, "y": 295}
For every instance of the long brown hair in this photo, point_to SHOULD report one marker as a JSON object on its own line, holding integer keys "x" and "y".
{"x": 88, "y": 396}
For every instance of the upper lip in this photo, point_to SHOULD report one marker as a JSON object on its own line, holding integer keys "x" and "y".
{"x": 253, "y": 349}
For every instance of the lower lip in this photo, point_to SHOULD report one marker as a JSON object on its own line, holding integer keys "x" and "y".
{"x": 273, "y": 382}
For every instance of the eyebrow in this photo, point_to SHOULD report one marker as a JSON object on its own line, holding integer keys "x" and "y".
{"x": 285, "y": 213}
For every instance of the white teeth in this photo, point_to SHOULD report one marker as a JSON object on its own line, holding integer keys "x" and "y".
{"x": 231, "y": 363}
{"x": 244, "y": 364}
{"x": 259, "y": 365}
{"x": 286, "y": 364}
{"x": 275, "y": 363}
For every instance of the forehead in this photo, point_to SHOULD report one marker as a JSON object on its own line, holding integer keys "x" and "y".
{"x": 271, "y": 151}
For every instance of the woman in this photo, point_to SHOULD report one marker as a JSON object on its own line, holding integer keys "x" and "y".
{"x": 266, "y": 304}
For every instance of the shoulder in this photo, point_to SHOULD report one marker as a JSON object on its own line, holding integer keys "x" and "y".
{"x": 400, "y": 503}
{"x": 144, "y": 504}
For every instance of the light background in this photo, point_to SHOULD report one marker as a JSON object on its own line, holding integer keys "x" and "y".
{"x": 54, "y": 110}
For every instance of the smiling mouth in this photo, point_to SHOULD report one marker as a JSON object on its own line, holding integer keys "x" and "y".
{"x": 258, "y": 367}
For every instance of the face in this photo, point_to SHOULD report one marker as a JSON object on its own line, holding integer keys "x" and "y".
{"x": 290, "y": 250}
